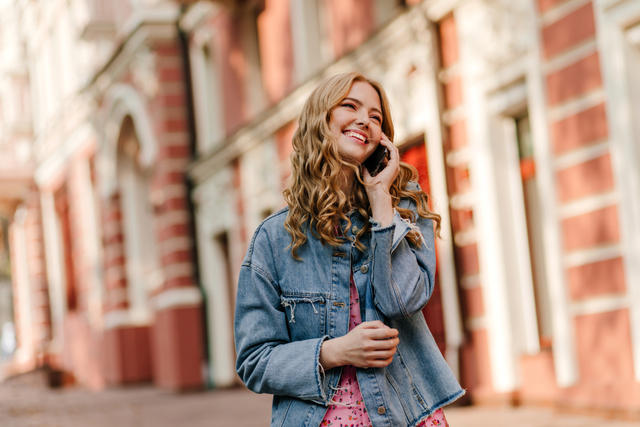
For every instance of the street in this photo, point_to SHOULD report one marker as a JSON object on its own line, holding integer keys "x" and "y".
{"x": 32, "y": 405}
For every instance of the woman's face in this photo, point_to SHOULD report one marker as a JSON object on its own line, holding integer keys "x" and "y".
{"x": 356, "y": 122}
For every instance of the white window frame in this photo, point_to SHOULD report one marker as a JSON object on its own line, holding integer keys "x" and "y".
{"x": 312, "y": 48}
{"x": 207, "y": 94}
{"x": 254, "y": 93}
{"x": 217, "y": 194}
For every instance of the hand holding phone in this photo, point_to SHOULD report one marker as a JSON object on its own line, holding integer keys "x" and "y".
{"x": 376, "y": 161}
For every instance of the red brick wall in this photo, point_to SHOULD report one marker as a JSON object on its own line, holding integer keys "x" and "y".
{"x": 474, "y": 354}
{"x": 233, "y": 66}
{"x": 114, "y": 257}
{"x": 603, "y": 338}
{"x": 176, "y": 328}
{"x": 276, "y": 49}
{"x": 352, "y": 22}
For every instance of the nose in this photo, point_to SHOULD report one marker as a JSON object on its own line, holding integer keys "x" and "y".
{"x": 363, "y": 118}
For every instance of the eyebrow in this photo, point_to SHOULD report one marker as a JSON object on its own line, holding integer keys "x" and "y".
{"x": 360, "y": 103}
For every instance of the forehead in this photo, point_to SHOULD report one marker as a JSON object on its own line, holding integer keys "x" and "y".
{"x": 365, "y": 93}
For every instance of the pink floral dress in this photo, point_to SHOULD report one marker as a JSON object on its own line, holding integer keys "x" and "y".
{"x": 348, "y": 409}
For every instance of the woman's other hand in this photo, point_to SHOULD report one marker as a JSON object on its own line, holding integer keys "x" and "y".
{"x": 378, "y": 186}
{"x": 368, "y": 345}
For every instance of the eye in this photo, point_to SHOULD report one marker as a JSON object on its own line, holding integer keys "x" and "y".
{"x": 349, "y": 105}
{"x": 377, "y": 118}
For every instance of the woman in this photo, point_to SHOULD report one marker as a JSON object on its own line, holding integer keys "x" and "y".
{"x": 328, "y": 315}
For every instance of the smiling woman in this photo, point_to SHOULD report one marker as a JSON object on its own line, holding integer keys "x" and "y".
{"x": 328, "y": 313}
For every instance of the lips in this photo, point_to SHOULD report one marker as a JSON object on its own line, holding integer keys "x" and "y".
{"x": 359, "y": 136}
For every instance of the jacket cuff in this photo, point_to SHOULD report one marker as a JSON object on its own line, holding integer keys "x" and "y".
{"x": 321, "y": 377}
{"x": 399, "y": 227}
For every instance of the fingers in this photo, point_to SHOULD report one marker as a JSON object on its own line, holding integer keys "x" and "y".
{"x": 374, "y": 324}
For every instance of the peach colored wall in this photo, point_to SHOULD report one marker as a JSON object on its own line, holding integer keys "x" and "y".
{"x": 178, "y": 346}
{"x": 591, "y": 177}
{"x": 574, "y": 80}
{"x": 40, "y": 309}
{"x": 127, "y": 355}
{"x": 568, "y": 31}
{"x": 82, "y": 353}
{"x": 283, "y": 138}
{"x": 605, "y": 362}
{"x": 233, "y": 71}
{"x": 598, "y": 278}
{"x": 448, "y": 41}
{"x": 598, "y": 227}
{"x": 276, "y": 49}
{"x": 584, "y": 128}
{"x": 352, "y": 22}
{"x": 545, "y": 5}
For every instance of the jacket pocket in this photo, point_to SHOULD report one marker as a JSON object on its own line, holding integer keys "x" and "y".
{"x": 305, "y": 315}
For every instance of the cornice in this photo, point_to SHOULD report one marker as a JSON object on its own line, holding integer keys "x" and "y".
{"x": 438, "y": 9}
{"x": 143, "y": 28}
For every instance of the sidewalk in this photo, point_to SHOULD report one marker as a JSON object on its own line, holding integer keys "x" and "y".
{"x": 23, "y": 405}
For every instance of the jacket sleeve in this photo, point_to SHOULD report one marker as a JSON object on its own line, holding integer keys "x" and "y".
{"x": 403, "y": 274}
{"x": 268, "y": 362}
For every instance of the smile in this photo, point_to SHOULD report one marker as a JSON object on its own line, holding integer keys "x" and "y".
{"x": 356, "y": 135}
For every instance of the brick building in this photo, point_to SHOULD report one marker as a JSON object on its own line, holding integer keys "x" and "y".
{"x": 521, "y": 117}
{"x": 104, "y": 278}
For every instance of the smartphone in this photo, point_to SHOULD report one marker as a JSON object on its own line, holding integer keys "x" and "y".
{"x": 375, "y": 162}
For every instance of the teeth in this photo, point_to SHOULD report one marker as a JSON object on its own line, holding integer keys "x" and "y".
{"x": 355, "y": 135}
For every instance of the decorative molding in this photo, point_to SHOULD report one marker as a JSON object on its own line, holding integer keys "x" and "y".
{"x": 470, "y": 282}
{"x": 459, "y": 157}
{"x": 438, "y": 9}
{"x": 588, "y": 204}
{"x": 497, "y": 31}
{"x": 55, "y": 164}
{"x": 143, "y": 71}
{"x": 578, "y": 52}
{"x": 461, "y": 201}
{"x": 633, "y": 35}
{"x": 580, "y": 155}
{"x": 466, "y": 237}
{"x": 124, "y": 319}
{"x": 591, "y": 255}
{"x": 142, "y": 27}
{"x": 577, "y": 105}
{"x": 597, "y": 305}
{"x": 561, "y": 11}
{"x": 196, "y": 14}
{"x": 476, "y": 323}
{"x": 120, "y": 101}
{"x": 178, "y": 298}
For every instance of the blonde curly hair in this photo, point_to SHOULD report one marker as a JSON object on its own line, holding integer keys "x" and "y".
{"x": 314, "y": 193}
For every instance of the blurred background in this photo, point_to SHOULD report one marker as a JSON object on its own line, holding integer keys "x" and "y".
{"x": 143, "y": 141}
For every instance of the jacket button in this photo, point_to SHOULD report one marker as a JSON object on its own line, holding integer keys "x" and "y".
{"x": 354, "y": 230}
{"x": 381, "y": 410}
{"x": 364, "y": 269}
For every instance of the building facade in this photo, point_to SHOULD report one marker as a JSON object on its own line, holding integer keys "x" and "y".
{"x": 153, "y": 138}
{"x": 103, "y": 271}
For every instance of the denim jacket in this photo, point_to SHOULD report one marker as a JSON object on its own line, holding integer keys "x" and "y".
{"x": 286, "y": 308}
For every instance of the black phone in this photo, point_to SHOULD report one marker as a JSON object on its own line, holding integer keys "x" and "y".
{"x": 375, "y": 162}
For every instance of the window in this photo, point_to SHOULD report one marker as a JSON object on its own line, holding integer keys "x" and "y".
{"x": 206, "y": 93}
{"x": 533, "y": 215}
{"x": 251, "y": 49}
{"x": 311, "y": 44}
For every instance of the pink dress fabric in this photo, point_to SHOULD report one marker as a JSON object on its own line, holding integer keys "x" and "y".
{"x": 349, "y": 409}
